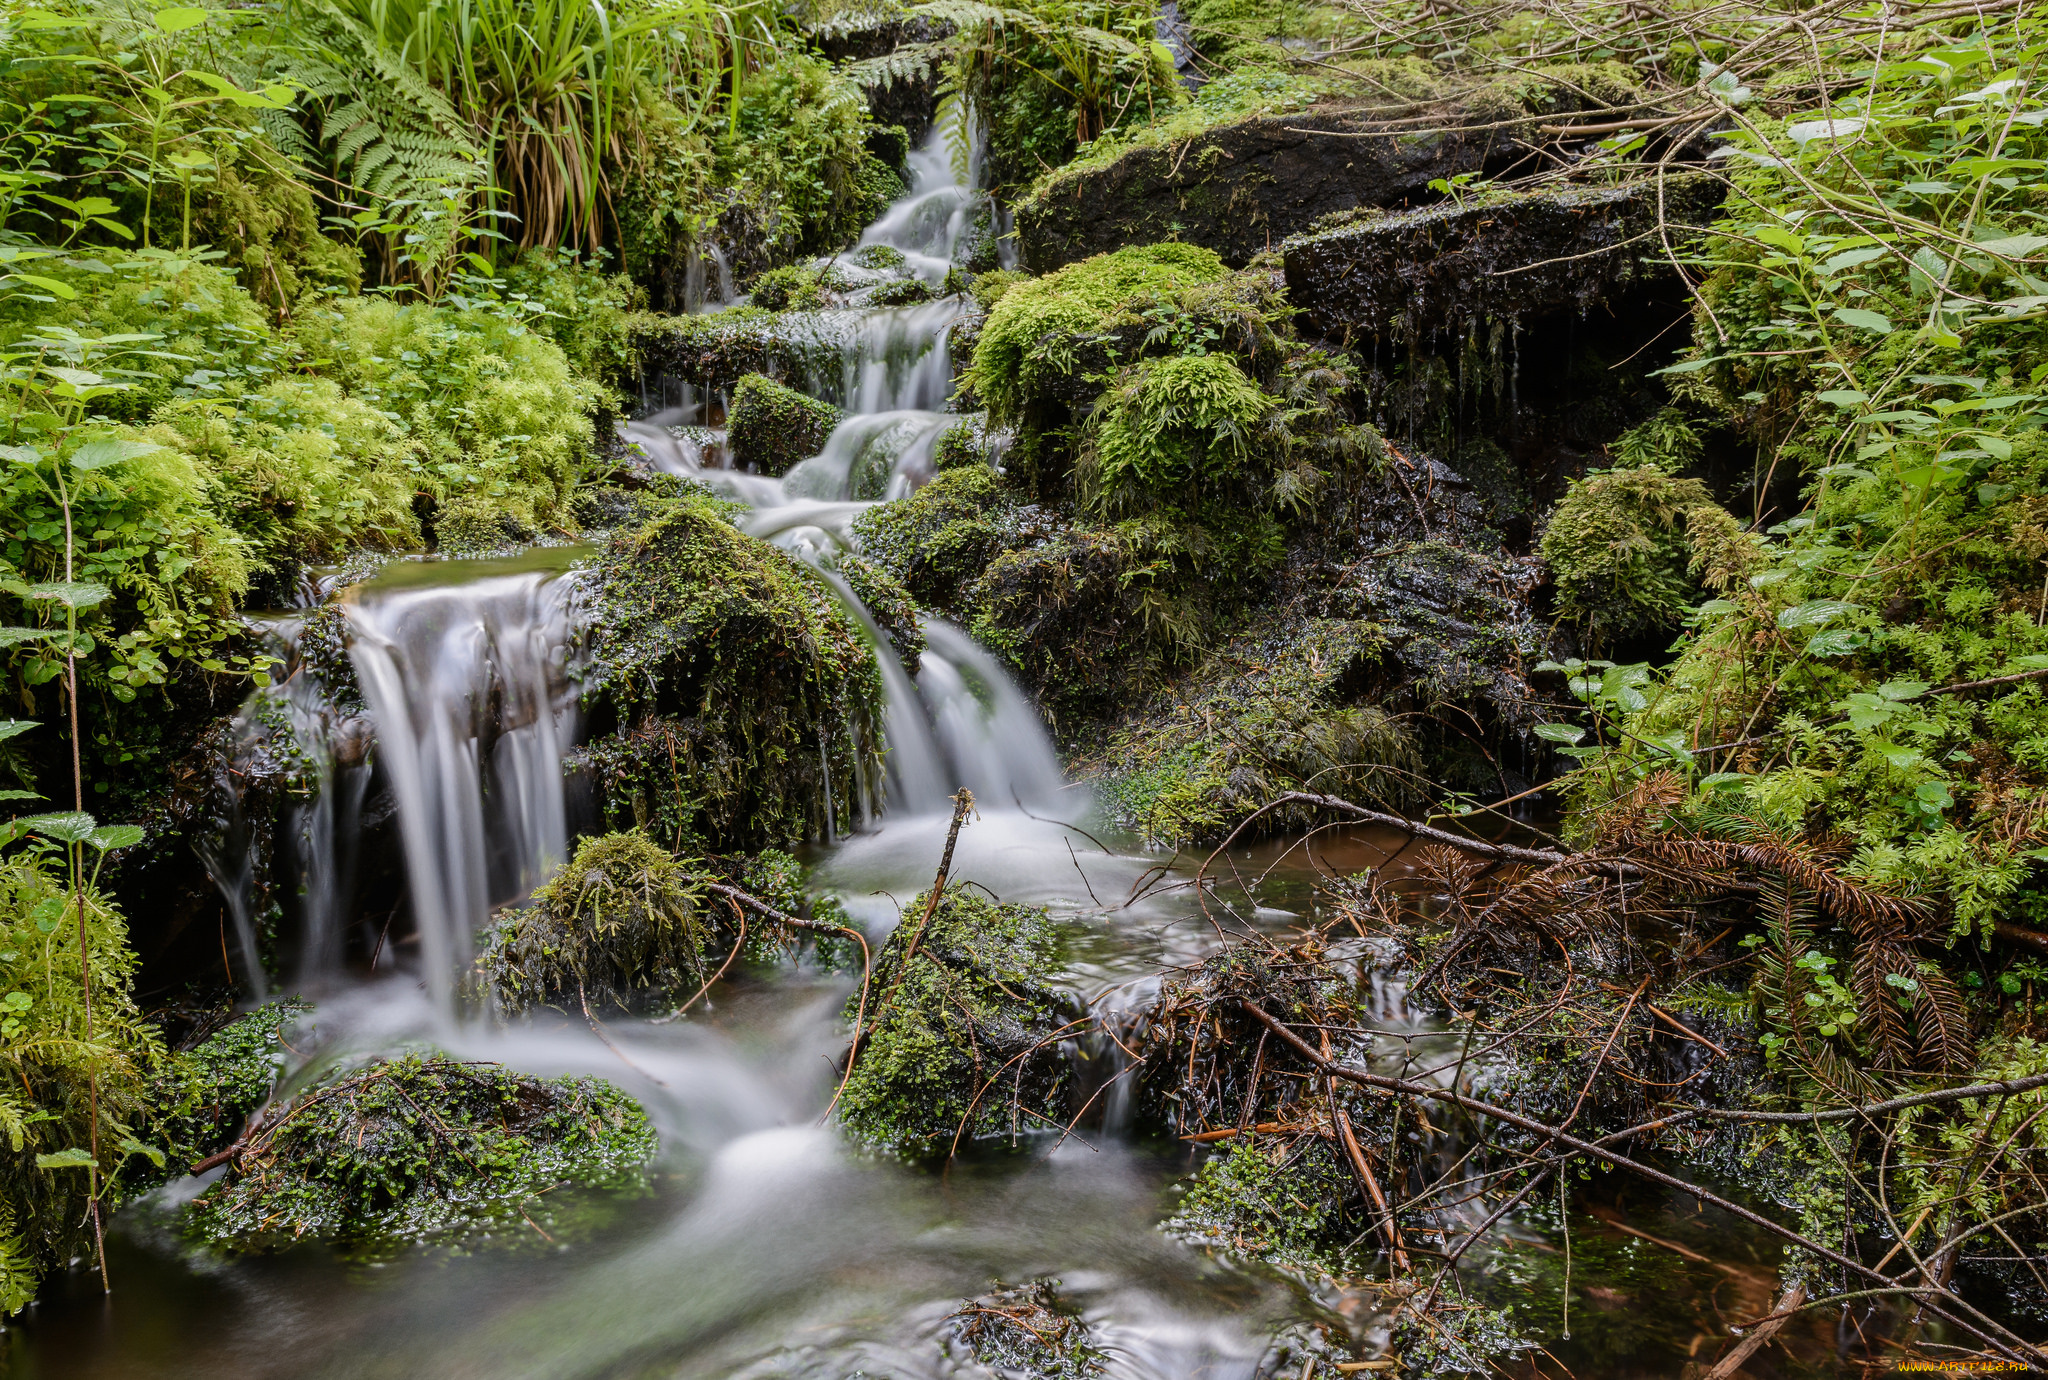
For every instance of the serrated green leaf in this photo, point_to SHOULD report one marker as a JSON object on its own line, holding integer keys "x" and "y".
{"x": 97, "y": 455}
{"x": 14, "y": 728}
{"x": 73, "y": 1158}
{"x": 68, "y": 826}
{"x": 108, "y": 837}
{"x": 77, "y": 594}
{"x": 1559, "y": 733}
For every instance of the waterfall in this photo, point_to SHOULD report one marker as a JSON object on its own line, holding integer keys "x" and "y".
{"x": 469, "y": 687}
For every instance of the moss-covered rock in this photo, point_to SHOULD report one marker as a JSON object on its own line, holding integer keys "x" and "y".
{"x": 962, "y": 1039}
{"x": 1270, "y": 1199}
{"x": 737, "y": 701}
{"x": 203, "y": 1100}
{"x": 424, "y": 1149}
{"x": 1284, "y": 707}
{"x": 621, "y": 917}
{"x": 1026, "y": 349}
{"x": 939, "y": 540}
{"x": 1242, "y": 170}
{"x": 771, "y": 428}
{"x": 715, "y": 350}
{"x": 1504, "y": 255}
{"x": 890, "y": 605}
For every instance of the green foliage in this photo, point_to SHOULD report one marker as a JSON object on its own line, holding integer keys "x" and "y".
{"x": 1260, "y": 717}
{"x": 772, "y": 427}
{"x": 423, "y": 1149}
{"x": 744, "y": 698}
{"x": 962, "y": 1040}
{"x": 798, "y": 149}
{"x": 1176, "y": 429}
{"x": 622, "y": 917}
{"x": 57, "y": 1076}
{"x": 988, "y": 288}
{"x": 1027, "y": 344}
{"x": 496, "y": 410}
{"x": 589, "y": 313}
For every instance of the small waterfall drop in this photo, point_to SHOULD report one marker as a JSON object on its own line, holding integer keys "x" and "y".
{"x": 469, "y": 686}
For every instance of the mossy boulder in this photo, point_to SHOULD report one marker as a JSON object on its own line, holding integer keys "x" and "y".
{"x": 425, "y": 1149}
{"x": 889, "y": 604}
{"x": 717, "y": 349}
{"x": 1503, "y": 255}
{"x": 204, "y": 1098}
{"x": 771, "y": 427}
{"x": 1241, "y": 185}
{"x": 939, "y": 540}
{"x": 736, "y": 702}
{"x": 962, "y": 1037}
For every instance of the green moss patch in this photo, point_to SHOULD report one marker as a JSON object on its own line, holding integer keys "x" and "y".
{"x": 739, "y": 700}
{"x": 941, "y": 538}
{"x": 772, "y": 427}
{"x": 963, "y": 1039}
{"x": 424, "y": 1149}
{"x": 1284, "y": 708}
{"x": 1027, "y": 343}
{"x": 204, "y": 1099}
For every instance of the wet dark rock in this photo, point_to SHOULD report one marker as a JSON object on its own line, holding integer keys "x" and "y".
{"x": 772, "y": 427}
{"x": 890, "y": 605}
{"x": 1503, "y": 256}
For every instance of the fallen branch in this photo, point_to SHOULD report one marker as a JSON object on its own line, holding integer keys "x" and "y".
{"x": 1726, "y": 1367}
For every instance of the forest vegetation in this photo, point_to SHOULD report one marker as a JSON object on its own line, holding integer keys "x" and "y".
{"x": 1367, "y": 410}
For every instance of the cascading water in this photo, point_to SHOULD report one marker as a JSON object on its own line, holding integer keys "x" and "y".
{"x": 468, "y": 685}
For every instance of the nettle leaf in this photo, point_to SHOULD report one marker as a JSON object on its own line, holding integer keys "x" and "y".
{"x": 14, "y": 637}
{"x": 14, "y": 728}
{"x": 1836, "y": 642}
{"x": 131, "y": 1146}
{"x": 1558, "y": 733}
{"x": 1864, "y": 320}
{"x": 69, "y": 826}
{"x": 108, "y": 837}
{"x": 1814, "y": 613}
{"x": 97, "y": 455}
{"x": 74, "y": 1158}
{"x": 1896, "y": 690}
{"x": 77, "y": 594}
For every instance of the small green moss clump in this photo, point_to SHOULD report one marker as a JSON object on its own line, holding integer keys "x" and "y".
{"x": 739, "y": 702}
{"x": 789, "y": 288}
{"x": 941, "y": 538}
{"x": 1268, "y": 1199}
{"x": 1026, "y": 343}
{"x": 204, "y": 1099}
{"x": 622, "y": 917}
{"x": 901, "y": 292}
{"x": 1181, "y": 429}
{"x": 424, "y": 1149}
{"x": 879, "y": 258}
{"x": 772, "y": 427}
{"x": 962, "y": 1041}
{"x": 889, "y": 604}
{"x": 1627, "y": 548}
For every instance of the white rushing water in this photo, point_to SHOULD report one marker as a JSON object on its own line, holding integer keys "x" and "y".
{"x": 468, "y": 684}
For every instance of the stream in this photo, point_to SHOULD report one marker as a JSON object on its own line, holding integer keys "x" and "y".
{"x": 767, "y": 1248}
